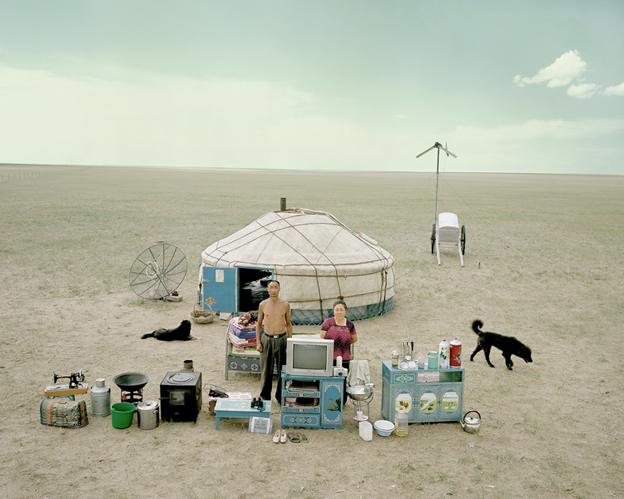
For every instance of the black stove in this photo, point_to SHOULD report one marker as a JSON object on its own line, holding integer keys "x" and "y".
{"x": 181, "y": 396}
{"x": 132, "y": 396}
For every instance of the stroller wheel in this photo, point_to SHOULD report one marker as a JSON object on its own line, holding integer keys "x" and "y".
{"x": 463, "y": 239}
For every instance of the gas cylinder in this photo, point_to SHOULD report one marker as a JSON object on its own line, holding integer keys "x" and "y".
{"x": 100, "y": 398}
{"x": 443, "y": 354}
{"x": 456, "y": 347}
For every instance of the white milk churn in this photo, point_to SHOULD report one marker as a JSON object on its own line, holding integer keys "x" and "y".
{"x": 100, "y": 398}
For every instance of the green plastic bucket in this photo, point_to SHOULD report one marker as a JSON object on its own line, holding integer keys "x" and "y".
{"x": 122, "y": 414}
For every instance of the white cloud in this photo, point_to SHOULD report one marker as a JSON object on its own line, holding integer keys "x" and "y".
{"x": 567, "y": 68}
{"x": 615, "y": 90}
{"x": 582, "y": 90}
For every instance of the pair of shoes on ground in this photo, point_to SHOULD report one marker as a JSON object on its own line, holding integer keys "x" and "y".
{"x": 280, "y": 437}
{"x": 296, "y": 437}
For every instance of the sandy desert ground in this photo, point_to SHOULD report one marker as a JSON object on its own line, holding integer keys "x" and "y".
{"x": 543, "y": 262}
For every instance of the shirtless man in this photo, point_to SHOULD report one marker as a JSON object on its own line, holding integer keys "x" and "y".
{"x": 274, "y": 315}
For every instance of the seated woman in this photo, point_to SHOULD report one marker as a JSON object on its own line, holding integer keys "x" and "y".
{"x": 342, "y": 331}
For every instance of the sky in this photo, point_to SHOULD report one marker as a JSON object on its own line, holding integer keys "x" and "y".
{"x": 522, "y": 87}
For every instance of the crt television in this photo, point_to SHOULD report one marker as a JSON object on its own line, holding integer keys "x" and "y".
{"x": 312, "y": 356}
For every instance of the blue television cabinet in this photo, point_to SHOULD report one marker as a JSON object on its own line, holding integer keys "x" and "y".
{"x": 313, "y": 401}
{"x": 437, "y": 394}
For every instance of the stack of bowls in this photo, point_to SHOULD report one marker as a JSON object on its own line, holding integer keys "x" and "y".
{"x": 383, "y": 428}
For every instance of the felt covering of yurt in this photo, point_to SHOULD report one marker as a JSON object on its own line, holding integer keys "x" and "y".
{"x": 317, "y": 260}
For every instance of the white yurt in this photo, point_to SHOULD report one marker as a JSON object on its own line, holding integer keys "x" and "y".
{"x": 316, "y": 259}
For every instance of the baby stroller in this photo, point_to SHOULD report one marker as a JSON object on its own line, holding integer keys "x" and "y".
{"x": 447, "y": 233}
{"x": 445, "y": 230}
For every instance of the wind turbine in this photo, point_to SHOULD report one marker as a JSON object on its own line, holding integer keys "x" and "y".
{"x": 445, "y": 230}
{"x": 437, "y": 146}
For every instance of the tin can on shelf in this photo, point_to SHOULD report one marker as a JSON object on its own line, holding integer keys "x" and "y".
{"x": 456, "y": 347}
{"x": 432, "y": 360}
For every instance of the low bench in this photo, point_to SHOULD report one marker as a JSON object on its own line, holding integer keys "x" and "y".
{"x": 239, "y": 409}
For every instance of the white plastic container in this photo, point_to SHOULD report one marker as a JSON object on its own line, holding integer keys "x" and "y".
{"x": 366, "y": 431}
{"x": 443, "y": 354}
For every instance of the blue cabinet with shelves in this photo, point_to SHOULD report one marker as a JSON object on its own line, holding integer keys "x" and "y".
{"x": 437, "y": 395}
{"x": 311, "y": 401}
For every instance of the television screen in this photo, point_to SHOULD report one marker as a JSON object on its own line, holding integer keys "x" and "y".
{"x": 309, "y": 357}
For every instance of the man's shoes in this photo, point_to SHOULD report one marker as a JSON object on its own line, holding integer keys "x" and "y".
{"x": 257, "y": 403}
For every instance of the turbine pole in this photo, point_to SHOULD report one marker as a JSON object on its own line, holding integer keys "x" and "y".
{"x": 435, "y": 214}
{"x": 437, "y": 146}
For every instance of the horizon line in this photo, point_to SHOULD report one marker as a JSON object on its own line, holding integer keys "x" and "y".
{"x": 296, "y": 170}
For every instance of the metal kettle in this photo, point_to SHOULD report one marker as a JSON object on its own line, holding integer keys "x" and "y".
{"x": 471, "y": 424}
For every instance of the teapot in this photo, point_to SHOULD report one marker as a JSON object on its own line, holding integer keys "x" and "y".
{"x": 471, "y": 424}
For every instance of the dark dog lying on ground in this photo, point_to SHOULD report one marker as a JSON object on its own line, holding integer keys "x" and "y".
{"x": 182, "y": 332}
{"x": 508, "y": 344}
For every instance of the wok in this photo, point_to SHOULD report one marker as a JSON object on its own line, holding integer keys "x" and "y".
{"x": 131, "y": 381}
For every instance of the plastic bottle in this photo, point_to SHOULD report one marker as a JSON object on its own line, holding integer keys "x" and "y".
{"x": 443, "y": 355}
{"x": 366, "y": 431}
{"x": 401, "y": 423}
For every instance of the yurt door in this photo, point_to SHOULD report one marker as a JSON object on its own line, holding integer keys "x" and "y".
{"x": 220, "y": 289}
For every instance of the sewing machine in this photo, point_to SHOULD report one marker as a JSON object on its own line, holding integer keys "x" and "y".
{"x": 75, "y": 386}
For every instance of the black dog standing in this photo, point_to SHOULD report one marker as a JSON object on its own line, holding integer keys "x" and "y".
{"x": 182, "y": 333}
{"x": 508, "y": 344}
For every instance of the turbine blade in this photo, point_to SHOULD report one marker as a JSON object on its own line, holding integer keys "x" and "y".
{"x": 425, "y": 152}
{"x": 448, "y": 153}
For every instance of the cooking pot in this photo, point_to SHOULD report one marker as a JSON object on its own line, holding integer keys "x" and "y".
{"x": 471, "y": 424}
{"x": 148, "y": 414}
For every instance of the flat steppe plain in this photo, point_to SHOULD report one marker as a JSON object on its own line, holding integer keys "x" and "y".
{"x": 543, "y": 262}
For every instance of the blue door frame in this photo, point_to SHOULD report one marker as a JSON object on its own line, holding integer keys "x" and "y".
{"x": 220, "y": 288}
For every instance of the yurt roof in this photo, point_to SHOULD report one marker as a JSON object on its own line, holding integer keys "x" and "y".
{"x": 299, "y": 241}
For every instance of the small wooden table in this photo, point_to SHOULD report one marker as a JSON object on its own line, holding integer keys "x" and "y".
{"x": 65, "y": 390}
{"x": 239, "y": 409}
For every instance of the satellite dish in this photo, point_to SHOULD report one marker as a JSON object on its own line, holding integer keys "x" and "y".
{"x": 158, "y": 271}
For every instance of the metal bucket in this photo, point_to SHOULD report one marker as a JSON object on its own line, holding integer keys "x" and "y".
{"x": 148, "y": 414}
